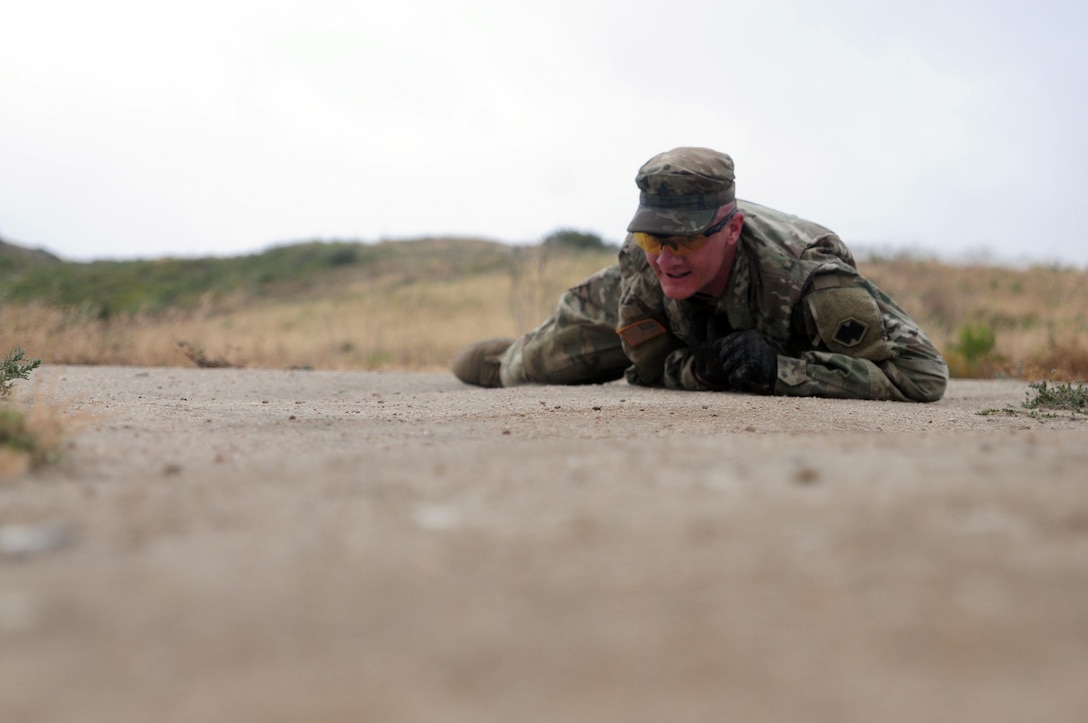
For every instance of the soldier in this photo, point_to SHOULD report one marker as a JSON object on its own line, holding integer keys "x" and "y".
{"x": 712, "y": 293}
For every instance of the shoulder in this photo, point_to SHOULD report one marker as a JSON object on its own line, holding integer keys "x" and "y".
{"x": 769, "y": 232}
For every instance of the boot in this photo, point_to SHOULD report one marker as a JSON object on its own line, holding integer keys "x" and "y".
{"x": 479, "y": 363}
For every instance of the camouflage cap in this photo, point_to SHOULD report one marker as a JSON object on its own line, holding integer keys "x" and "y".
{"x": 682, "y": 190}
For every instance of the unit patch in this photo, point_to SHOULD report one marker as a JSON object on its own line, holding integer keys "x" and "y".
{"x": 641, "y": 331}
{"x": 850, "y": 332}
{"x": 848, "y": 321}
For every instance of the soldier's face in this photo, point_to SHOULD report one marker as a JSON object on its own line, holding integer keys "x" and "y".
{"x": 705, "y": 270}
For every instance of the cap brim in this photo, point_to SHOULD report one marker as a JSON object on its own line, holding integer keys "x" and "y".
{"x": 671, "y": 221}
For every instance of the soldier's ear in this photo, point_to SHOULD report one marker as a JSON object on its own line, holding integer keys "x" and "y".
{"x": 735, "y": 225}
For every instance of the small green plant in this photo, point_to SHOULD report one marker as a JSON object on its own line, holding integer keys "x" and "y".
{"x": 1064, "y": 396}
{"x": 14, "y": 367}
{"x": 973, "y": 354}
{"x": 994, "y": 412}
{"x": 976, "y": 341}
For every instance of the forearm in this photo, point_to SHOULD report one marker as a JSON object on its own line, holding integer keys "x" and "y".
{"x": 866, "y": 347}
{"x": 827, "y": 374}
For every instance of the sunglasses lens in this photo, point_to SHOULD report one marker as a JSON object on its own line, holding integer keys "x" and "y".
{"x": 678, "y": 245}
{"x": 647, "y": 242}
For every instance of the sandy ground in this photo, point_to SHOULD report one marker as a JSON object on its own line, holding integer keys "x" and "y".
{"x": 245, "y": 545}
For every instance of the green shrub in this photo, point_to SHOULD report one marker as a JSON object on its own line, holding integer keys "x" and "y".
{"x": 576, "y": 240}
{"x": 972, "y": 354}
{"x": 13, "y": 367}
{"x": 1058, "y": 396}
{"x": 975, "y": 342}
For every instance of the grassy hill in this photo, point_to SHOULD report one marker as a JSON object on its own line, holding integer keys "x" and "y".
{"x": 412, "y": 304}
{"x": 15, "y": 259}
{"x": 105, "y": 288}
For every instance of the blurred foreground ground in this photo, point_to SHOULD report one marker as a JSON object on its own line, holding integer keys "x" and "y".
{"x": 246, "y": 545}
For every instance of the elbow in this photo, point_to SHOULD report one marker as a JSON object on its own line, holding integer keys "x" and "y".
{"x": 923, "y": 381}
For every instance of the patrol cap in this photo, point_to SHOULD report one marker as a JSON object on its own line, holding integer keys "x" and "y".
{"x": 682, "y": 190}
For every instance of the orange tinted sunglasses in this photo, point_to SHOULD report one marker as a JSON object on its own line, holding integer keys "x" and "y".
{"x": 679, "y": 245}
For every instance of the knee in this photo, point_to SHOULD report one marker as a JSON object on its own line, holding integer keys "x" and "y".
{"x": 550, "y": 362}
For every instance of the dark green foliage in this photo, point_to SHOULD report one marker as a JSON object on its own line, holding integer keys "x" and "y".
{"x": 975, "y": 342}
{"x": 1067, "y": 396}
{"x": 575, "y": 240}
{"x": 13, "y": 367}
{"x": 972, "y": 355}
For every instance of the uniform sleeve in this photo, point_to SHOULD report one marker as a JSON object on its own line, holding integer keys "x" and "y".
{"x": 859, "y": 345}
{"x": 679, "y": 373}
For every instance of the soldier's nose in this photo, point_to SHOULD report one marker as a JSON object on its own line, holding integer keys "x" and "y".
{"x": 668, "y": 257}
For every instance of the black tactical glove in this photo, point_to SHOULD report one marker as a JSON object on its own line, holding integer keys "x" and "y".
{"x": 706, "y": 330}
{"x": 748, "y": 363}
{"x": 707, "y": 365}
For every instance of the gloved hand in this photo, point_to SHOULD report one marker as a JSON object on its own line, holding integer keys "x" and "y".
{"x": 707, "y": 365}
{"x": 707, "y": 329}
{"x": 748, "y": 363}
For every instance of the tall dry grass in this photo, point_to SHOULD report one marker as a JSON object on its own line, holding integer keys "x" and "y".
{"x": 388, "y": 322}
{"x": 1038, "y": 316}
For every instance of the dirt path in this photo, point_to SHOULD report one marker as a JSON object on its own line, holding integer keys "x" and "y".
{"x": 244, "y": 545}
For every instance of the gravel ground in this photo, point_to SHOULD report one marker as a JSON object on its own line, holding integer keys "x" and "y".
{"x": 256, "y": 545}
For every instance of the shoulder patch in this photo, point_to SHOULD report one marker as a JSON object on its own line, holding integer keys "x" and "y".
{"x": 641, "y": 331}
{"x": 848, "y": 321}
{"x": 850, "y": 332}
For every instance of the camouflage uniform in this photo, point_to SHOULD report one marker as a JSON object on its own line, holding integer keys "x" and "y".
{"x": 835, "y": 333}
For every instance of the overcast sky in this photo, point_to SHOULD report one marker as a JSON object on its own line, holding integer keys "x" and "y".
{"x": 146, "y": 129}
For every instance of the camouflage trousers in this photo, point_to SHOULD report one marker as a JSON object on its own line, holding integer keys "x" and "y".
{"x": 578, "y": 344}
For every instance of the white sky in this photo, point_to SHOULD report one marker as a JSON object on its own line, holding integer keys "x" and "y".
{"x": 144, "y": 128}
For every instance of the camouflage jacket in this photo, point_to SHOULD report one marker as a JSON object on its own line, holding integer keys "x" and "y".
{"x": 796, "y": 283}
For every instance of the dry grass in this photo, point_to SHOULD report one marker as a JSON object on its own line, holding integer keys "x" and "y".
{"x": 1038, "y": 316}
{"x": 379, "y": 323}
